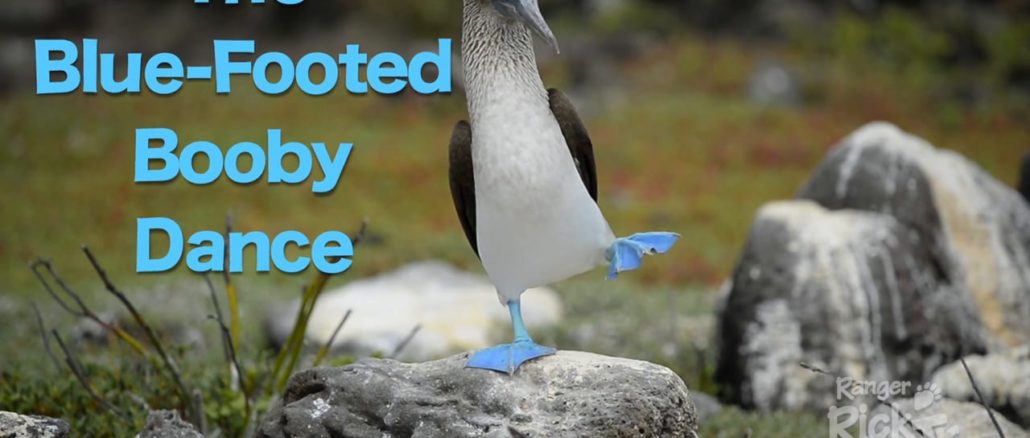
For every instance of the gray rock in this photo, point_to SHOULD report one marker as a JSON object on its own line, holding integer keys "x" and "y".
{"x": 706, "y": 406}
{"x": 167, "y": 424}
{"x": 9, "y": 306}
{"x": 938, "y": 418}
{"x": 896, "y": 259}
{"x": 1024, "y": 177}
{"x": 569, "y": 394}
{"x": 977, "y": 228}
{"x": 88, "y": 330}
{"x": 456, "y": 311}
{"x": 1004, "y": 381}
{"x": 773, "y": 83}
{"x": 14, "y": 425}
{"x": 851, "y": 292}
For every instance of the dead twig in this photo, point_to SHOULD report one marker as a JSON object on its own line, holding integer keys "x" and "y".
{"x": 83, "y": 310}
{"x": 360, "y": 235}
{"x": 322, "y": 352}
{"x": 198, "y": 406}
{"x": 80, "y": 376}
{"x": 980, "y": 398}
{"x": 35, "y": 265}
{"x": 228, "y": 345}
{"x": 889, "y": 403}
{"x": 46, "y": 339}
{"x": 405, "y": 341}
{"x": 169, "y": 363}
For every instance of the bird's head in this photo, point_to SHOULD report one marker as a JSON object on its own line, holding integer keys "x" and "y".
{"x": 528, "y": 13}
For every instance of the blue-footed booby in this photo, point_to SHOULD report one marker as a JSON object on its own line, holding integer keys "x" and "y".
{"x": 522, "y": 174}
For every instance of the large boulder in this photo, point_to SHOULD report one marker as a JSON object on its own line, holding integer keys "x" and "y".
{"x": 896, "y": 258}
{"x": 14, "y": 425}
{"x": 1003, "y": 380}
{"x": 977, "y": 227}
{"x": 456, "y": 311}
{"x": 851, "y": 292}
{"x": 570, "y": 394}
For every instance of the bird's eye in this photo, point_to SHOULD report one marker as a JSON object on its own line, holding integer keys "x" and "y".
{"x": 506, "y": 8}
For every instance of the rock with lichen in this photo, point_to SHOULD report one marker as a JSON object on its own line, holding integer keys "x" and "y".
{"x": 571, "y": 394}
{"x": 31, "y": 426}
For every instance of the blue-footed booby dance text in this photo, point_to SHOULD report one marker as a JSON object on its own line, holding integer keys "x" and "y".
{"x": 163, "y": 155}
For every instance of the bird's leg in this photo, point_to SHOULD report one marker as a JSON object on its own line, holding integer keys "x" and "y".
{"x": 507, "y": 358}
{"x": 517, "y": 326}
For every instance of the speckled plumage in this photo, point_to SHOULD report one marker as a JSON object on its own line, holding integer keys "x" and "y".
{"x": 535, "y": 220}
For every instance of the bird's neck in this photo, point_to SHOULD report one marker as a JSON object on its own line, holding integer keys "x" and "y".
{"x": 498, "y": 59}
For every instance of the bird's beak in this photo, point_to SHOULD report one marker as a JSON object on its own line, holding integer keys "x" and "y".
{"x": 529, "y": 14}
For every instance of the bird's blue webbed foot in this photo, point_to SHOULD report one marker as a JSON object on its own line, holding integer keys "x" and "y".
{"x": 626, "y": 253}
{"x": 507, "y": 358}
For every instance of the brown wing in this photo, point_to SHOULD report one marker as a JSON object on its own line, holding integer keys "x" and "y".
{"x": 576, "y": 138}
{"x": 463, "y": 182}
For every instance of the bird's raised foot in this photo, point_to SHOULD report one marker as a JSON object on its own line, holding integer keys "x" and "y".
{"x": 627, "y": 252}
{"x": 506, "y": 358}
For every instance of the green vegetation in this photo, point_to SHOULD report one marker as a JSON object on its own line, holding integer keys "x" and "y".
{"x": 733, "y": 423}
{"x": 139, "y": 369}
{"x": 684, "y": 150}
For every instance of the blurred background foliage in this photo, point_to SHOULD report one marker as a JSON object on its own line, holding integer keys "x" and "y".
{"x": 700, "y": 111}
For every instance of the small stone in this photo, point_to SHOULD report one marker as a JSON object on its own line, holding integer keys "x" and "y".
{"x": 774, "y": 84}
{"x": 14, "y": 425}
{"x": 707, "y": 406}
{"x": 167, "y": 424}
{"x": 456, "y": 311}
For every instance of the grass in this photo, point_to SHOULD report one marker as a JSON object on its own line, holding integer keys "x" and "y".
{"x": 685, "y": 150}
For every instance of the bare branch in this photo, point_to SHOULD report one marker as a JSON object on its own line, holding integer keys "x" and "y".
{"x": 226, "y": 336}
{"x": 169, "y": 363}
{"x": 889, "y": 403}
{"x": 980, "y": 398}
{"x": 228, "y": 231}
{"x": 81, "y": 377}
{"x": 405, "y": 341}
{"x": 46, "y": 265}
{"x": 360, "y": 235}
{"x": 230, "y": 289}
{"x": 46, "y": 339}
{"x": 228, "y": 345}
{"x": 226, "y": 341}
{"x": 198, "y": 406}
{"x": 332, "y": 338}
{"x": 84, "y": 310}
